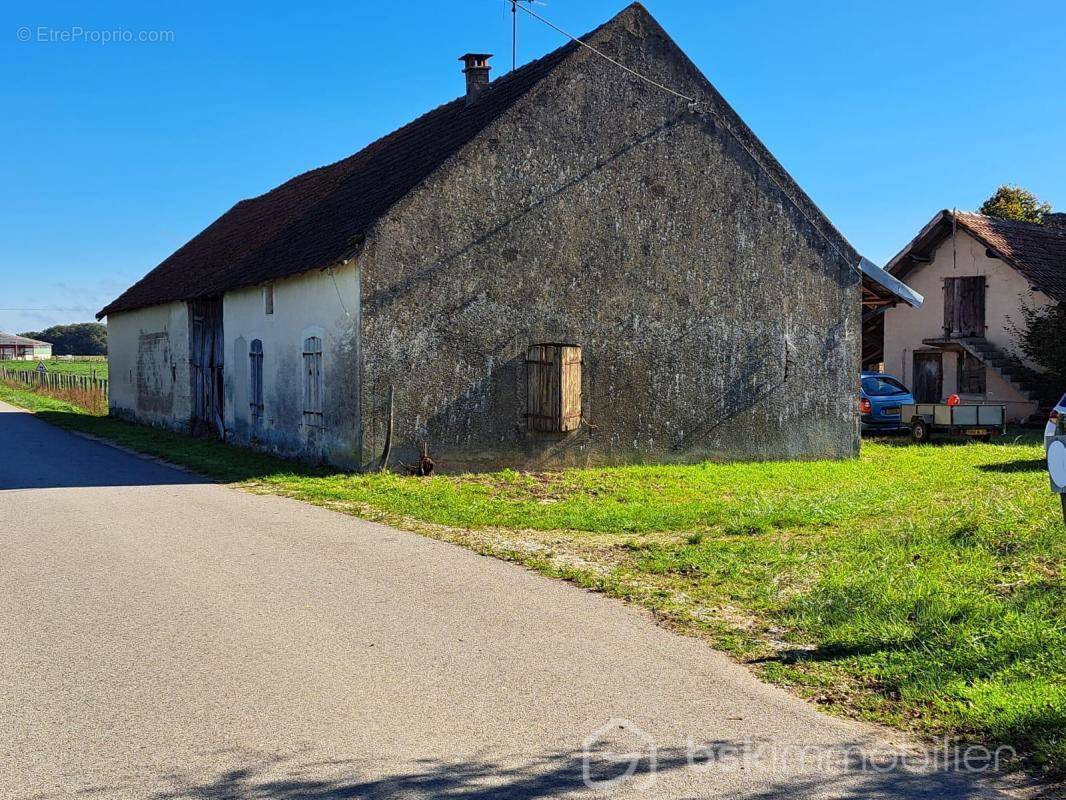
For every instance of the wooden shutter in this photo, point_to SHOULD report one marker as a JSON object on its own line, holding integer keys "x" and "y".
{"x": 964, "y": 306}
{"x": 313, "y": 381}
{"x": 255, "y": 358}
{"x": 971, "y": 293}
{"x": 949, "y": 306}
{"x": 553, "y": 388}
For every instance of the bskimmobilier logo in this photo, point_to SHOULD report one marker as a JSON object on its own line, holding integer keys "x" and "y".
{"x": 620, "y": 752}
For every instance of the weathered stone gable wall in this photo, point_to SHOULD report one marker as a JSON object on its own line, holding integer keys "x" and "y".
{"x": 714, "y": 321}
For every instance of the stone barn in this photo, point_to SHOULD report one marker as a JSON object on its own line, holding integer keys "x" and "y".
{"x": 566, "y": 265}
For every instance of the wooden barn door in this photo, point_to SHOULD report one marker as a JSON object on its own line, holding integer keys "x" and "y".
{"x": 928, "y": 377}
{"x": 964, "y": 307}
{"x": 206, "y": 346}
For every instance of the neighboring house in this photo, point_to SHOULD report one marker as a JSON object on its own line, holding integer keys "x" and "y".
{"x": 564, "y": 265}
{"x": 975, "y": 272}
{"x": 20, "y": 348}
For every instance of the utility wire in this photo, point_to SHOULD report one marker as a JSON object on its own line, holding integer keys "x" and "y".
{"x": 603, "y": 55}
{"x": 694, "y": 106}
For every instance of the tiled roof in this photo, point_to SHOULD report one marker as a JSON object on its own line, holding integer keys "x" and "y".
{"x": 10, "y": 339}
{"x": 320, "y": 217}
{"x": 1038, "y": 252}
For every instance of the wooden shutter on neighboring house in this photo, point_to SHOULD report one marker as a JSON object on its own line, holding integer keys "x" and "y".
{"x": 964, "y": 306}
{"x": 553, "y": 388}
{"x": 949, "y": 306}
{"x": 313, "y": 382}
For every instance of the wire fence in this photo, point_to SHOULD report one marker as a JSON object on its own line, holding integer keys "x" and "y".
{"x": 85, "y": 390}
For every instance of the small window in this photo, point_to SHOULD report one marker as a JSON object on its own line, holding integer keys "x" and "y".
{"x": 268, "y": 299}
{"x": 971, "y": 375}
{"x": 553, "y": 388}
{"x": 255, "y": 359}
{"x": 313, "y": 382}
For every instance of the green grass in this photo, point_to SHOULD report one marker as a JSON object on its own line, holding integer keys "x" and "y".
{"x": 918, "y": 586}
{"x": 86, "y": 368}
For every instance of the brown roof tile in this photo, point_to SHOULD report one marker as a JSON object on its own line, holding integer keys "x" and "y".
{"x": 320, "y": 217}
{"x": 1038, "y": 252}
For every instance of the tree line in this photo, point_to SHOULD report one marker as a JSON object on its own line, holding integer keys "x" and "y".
{"x": 78, "y": 339}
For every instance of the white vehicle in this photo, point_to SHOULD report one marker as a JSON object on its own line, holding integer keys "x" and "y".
{"x": 1053, "y": 421}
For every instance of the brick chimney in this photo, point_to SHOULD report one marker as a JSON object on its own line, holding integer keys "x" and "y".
{"x": 1055, "y": 220}
{"x": 477, "y": 74}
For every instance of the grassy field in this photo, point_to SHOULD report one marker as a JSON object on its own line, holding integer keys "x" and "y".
{"x": 918, "y": 586}
{"x": 86, "y": 368}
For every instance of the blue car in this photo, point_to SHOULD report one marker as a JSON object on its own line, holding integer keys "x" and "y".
{"x": 880, "y": 399}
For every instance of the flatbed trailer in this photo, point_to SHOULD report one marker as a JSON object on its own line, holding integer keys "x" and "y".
{"x": 979, "y": 421}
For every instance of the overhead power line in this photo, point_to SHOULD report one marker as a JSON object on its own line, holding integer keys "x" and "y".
{"x": 603, "y": 55}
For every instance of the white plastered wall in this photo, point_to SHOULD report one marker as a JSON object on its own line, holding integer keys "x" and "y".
{"x": 322, "y": 303}
{"x": 148, "y": 365}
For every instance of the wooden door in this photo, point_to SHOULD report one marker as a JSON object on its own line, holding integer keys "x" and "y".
{"x": 964, "y": 307}
{"x": 206, "y": 366}
{"x": 928, "y": 377}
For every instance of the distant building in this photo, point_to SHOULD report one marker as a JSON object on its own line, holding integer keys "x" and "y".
{"x": 19, "y": 348}
{"x": 565, "y": 265}
{"x": 976, "y": 272}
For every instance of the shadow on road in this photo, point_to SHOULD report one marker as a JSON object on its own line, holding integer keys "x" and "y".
{"x": 560, "y": 774}
{"x": 37, "y": 455}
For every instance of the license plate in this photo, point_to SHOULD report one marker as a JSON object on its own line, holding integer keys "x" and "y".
{"x": 892, "y": 411}
{"x": 977, "y": 431}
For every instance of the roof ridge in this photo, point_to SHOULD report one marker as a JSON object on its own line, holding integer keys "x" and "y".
{"x": 272, "y": 235}
{"x": 500, "y": 82}
{"x": 1036, "y": 227}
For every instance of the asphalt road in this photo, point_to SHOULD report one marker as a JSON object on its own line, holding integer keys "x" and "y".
{"x": 166, "y": 637}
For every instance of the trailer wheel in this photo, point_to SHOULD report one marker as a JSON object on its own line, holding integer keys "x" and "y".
{"x": 920, "y": 431}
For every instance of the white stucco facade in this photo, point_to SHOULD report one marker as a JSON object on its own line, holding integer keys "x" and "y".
{"x": 148, "y": 361}
{"x": 151, "y": 380}
{"x": 1007, "y": 289}
{"x": 323, "y": 304}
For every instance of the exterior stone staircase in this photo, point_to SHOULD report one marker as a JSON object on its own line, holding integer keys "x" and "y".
{"x": 994, "y": 359}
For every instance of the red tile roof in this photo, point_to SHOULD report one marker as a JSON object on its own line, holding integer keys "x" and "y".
{"x": 1038, "y": 252}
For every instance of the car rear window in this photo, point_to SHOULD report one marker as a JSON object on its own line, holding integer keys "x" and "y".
{"x": 882, "y": 386}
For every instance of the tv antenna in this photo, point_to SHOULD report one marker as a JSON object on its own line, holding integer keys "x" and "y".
{"x": 514, "y": 27}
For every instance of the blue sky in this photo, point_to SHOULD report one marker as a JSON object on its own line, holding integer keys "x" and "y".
{"x": 117, "y": 153}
